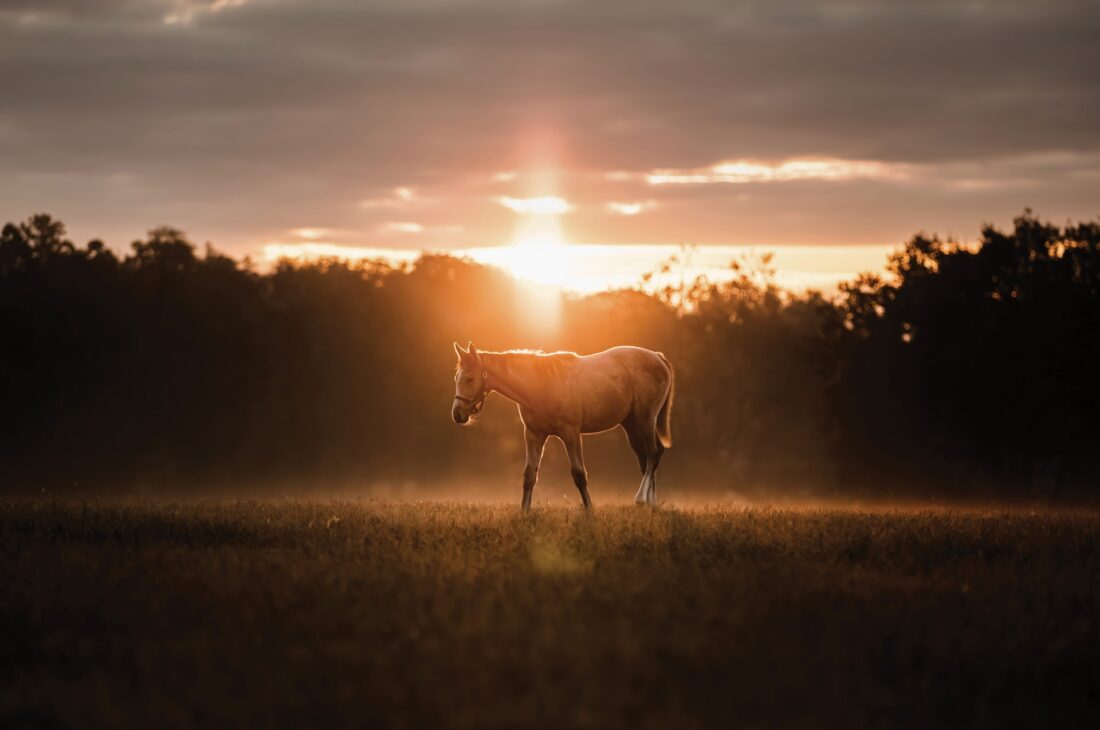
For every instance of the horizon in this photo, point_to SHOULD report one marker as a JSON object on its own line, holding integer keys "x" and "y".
{"x": 587, "y": 268}
{"x": 592, "y": 268}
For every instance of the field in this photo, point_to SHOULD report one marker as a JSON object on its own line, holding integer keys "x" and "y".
{"x": 402, "y": 614}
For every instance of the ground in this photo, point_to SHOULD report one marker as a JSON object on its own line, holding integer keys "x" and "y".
{"x": 402, "y": 614}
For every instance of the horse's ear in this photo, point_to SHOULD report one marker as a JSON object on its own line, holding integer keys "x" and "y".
{"x": 470, "y": 348}
{"x": 459, "y": 351}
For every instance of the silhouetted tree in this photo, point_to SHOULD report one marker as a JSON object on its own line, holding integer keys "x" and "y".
{"x": 974, "y": 364}
{"x": 964, "y": 369}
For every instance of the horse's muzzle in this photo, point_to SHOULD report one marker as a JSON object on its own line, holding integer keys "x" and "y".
{"x": 459, "y": 414}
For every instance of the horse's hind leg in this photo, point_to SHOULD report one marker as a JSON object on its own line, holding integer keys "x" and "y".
{"x": 643, "y": 439}
{"x": 636, "y": 436}
{"x": 637, "y": 441}
{"x": 573, "y": 447}
{"x": 652, "y": 462}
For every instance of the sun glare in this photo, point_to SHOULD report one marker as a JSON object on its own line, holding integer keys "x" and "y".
{"x": 539, "y": 252}
{"x": 539, "y": 256}
{"x": 543, "y": 260}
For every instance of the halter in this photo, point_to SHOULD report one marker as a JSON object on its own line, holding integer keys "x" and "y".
{"x": 478, "y": 400}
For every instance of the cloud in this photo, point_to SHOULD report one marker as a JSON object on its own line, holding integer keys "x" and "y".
{"x": 311, "y": 234}
{"x": 401, "y": 227}
{"x": 754, "y": 171}
{"x": 542, "y": 205}
{"x": 401, "y": 197}
{"x": 184, "y": 11}
{"x": 629, "y": 209}
{"x": 253, "y": 117}
{"x": 412, "y": 227}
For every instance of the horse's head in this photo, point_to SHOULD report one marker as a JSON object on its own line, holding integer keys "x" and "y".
{"x": 470, "y": 384}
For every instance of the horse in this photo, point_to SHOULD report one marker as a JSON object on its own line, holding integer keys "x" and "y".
{"x": 566, "y": 395}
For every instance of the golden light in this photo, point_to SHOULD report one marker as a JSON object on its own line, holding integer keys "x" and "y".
{"x": 540, "y": 253}
{"x": 539, "y": 257}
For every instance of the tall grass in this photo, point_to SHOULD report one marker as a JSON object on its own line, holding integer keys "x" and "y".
{"x": 400, "y": 614}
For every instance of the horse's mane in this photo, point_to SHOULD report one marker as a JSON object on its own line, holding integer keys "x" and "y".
{"x": 545, "y": 364}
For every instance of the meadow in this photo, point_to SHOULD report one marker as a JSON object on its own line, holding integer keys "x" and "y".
{"x": 401, "y": 614}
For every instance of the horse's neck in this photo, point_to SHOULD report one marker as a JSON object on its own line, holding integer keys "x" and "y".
{"x": 510, "y": 375}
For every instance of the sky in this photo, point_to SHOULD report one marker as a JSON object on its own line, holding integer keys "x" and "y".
{"x": 266, "y": 125}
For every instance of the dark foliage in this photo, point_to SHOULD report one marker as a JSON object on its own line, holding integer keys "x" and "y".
{"x": 974, "y": 366}
{"x": 971, "y": 368}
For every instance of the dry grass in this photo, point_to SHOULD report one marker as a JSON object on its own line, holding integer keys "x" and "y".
{"x": 396, "y": 614}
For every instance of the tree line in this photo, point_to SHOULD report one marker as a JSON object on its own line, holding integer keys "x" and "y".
{"x": 964, "y": 371}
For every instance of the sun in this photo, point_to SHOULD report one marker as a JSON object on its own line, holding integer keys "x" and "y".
{"x": 542, "y": 259}
{"x": 539, "y": 253}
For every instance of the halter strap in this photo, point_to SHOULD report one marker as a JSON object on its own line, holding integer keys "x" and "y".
{"x": 478, "y": 400}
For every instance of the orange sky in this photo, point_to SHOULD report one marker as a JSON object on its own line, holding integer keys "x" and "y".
{"x": 801, "y": 126}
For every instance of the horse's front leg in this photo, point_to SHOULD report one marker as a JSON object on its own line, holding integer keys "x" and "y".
{"x": 535, "y": 443}
{"x": 573, "y": 447}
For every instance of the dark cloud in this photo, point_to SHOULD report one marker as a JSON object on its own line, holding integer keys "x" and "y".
{"x": 240, "y": 119}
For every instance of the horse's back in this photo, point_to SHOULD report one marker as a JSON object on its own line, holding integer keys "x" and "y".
{"x": 618, "y": 383}
{"x": 624, "y": 353}
{"x": 638, "y": 361}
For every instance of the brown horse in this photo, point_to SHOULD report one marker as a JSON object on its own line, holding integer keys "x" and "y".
{"x": 565, "y": 395}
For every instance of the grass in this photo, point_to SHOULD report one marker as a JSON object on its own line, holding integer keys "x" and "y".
{"x": 401, "y": 614}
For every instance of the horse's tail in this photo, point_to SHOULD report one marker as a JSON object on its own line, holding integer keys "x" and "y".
{"x": 664, "y": 416}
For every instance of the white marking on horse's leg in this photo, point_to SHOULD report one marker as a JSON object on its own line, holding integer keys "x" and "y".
{"x": 654, "y": 462}
{"x": 642, "y": 497}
